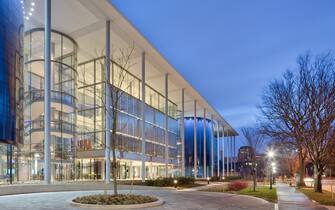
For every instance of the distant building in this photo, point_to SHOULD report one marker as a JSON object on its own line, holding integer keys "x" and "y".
{"x": 246, "y": 155}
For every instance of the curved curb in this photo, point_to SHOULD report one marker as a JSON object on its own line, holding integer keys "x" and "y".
{"x": 241, "y": 195}
{"x": 131, "y": 206}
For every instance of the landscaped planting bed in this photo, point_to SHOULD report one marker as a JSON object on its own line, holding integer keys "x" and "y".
{"x": 121, "y": 199}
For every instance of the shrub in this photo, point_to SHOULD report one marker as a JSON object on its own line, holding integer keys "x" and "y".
{"x": 185, "y": 180}
{"x": 236, "y": 186}
{"x": 169, "y": 182}
{"x": 101, "y": 199}
{"x": 216, "y": 179}
{"x": 232, "y": 178}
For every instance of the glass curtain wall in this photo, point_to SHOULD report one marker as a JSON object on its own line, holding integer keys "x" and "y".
{"x": 189, "y": 146}
{"x": 63, "y": 106}
{"x": 91, "y": 120}
{"x": 11, "y": 86}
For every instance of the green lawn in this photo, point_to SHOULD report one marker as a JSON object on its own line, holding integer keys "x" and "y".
{"x": 324, "y": 198}
{"x": 261, "y": 192}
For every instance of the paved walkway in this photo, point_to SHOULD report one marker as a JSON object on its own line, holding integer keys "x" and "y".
{"x": 174, "y": 200}
{"x": 290, "y": 198}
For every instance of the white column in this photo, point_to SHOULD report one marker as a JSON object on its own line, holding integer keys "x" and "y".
{"x": 218, "y": 147}
{"x": 108, "y": 105}
{"x": 228, "y": 155}
{"x": 195, "y": 139}
{"x": 223, "y": 161}
{"x": 143, "y": 118}
{"x": 47, "y": 90}
{"x": 131, "y": 172}
{"x": 205, "y": 142}
{"x": 231, "y": 155}
{"x": 223, "y": 153}
{"x": 166, "y": 125}
{"x": 182, "y": 132}
{"x": 234, "y": 155}
{"x": 212, "y": 147}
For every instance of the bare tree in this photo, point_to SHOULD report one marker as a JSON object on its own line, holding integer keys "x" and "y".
{"x": 300, "y": 109}
{"x": 284, "y": 107}
{"x": 318, "y": 79}
{"x": 117, "y": 86}
{"x": 253, "y": 139}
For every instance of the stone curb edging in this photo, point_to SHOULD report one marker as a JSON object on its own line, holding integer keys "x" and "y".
{"x": 131, "y": 206}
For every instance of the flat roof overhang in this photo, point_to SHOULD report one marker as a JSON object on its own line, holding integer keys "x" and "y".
{"x": 85, "y": 21}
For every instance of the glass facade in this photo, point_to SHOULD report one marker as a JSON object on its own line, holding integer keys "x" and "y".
{"x": 78, "y": 111}
{"x": 11, "y": 85}
{"x": 11, "y": 72}
{"x": 91, "y": 119}
{"x": 63, "y": 106}
{"x": 189, "y": 146}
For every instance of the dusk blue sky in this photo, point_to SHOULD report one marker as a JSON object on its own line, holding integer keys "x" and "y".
{"x": 230, "y": 50}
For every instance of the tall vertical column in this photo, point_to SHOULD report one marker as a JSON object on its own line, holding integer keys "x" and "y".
{"x": 218, "y": 148}
{"x": 231, "y": 156}
{"x": 143, "y": 118}
{"x": 166, "y": 125}
{"x": 182, "y": 132}
{"x": 108, "y": 105}
{"x": 212, "y": 147}
{"x": 227, "y": 164}
{"x": 223, "y": 147}
{"x": 47, "y": 90}
{"x": 131, "y": 172}
{"x": 195, "y": 139}
{"x": 235, "y": 156}
{"x": 205, "y": 145}
{"x": 223, "y": 152}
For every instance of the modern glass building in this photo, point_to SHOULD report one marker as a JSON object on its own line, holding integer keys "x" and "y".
{"x": 11, "y": 84}
{"x": 154, "y": 106}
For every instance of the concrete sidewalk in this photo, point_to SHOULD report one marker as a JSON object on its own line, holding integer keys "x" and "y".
{"x": 290, "y": 198}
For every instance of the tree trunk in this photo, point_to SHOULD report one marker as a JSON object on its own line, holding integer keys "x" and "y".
{"x": 114, "y": 163}
{"x": 254, "y": 184}
{"x": 317, "y": 179}
{"x": 301, "y": 182}
{"x": 254, "y": 177}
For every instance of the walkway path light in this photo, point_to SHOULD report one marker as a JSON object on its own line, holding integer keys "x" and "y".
{"x": 208, "y": 180}
{"x": 175, "y": 182}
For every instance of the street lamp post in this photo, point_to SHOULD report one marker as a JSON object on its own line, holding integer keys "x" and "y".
{"x": 271, "y": 155}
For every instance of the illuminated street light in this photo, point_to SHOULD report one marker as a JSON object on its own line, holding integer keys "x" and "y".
{"x": 271, "y": 155}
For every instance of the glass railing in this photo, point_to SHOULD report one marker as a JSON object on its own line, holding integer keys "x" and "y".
{"x": 55, "y": 126}
{"x": 56, "y": 96}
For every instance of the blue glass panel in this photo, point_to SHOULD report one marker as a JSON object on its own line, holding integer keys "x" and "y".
{"x": 189, "y": 146}
{"x": 11, "y": 44}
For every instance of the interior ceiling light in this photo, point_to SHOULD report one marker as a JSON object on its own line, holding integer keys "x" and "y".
{"x": 30, "y": 8}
